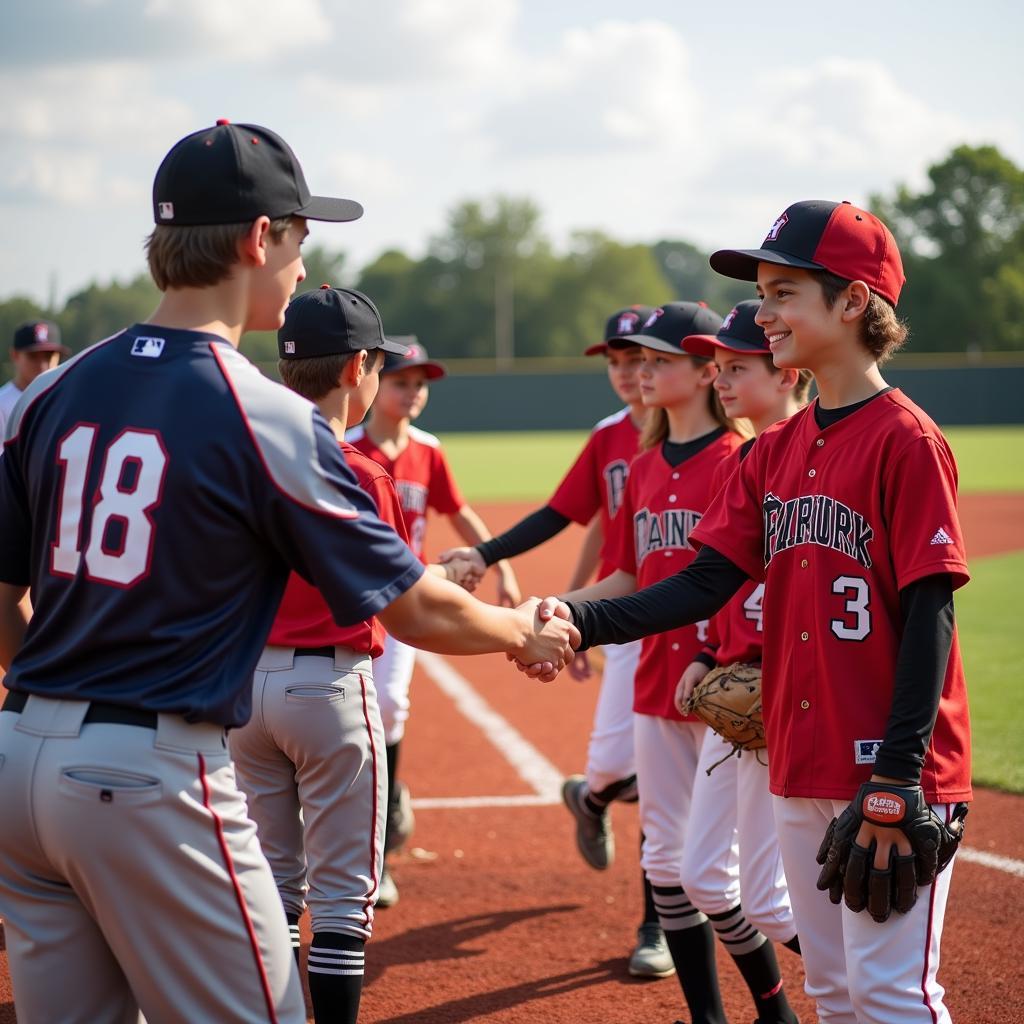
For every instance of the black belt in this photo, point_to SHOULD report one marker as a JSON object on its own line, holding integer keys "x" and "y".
{"x": 111, "y": 714}
{"x": 315, "y": 652}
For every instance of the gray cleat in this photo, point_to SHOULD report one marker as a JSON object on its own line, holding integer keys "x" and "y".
{"x": 651, "y": 958}
{"x": 594, "y": 836}
{"x": 387, "y": 891}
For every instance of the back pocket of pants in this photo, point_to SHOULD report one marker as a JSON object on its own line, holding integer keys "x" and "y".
{"x": 110, "y": 785}
{"x": 307, "y": 693}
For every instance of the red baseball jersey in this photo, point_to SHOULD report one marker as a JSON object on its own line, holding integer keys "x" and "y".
{"x": 597, "y": 480}
{"x": 651, "y": 540}
{"x": 836, "y": 522}
{"x": 422, "y": 477}
{"x": 736, "y": 633}
{"x": 304, "y": 620}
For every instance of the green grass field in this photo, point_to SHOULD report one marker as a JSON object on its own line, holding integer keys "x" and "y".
{"x": 527, "y": 466}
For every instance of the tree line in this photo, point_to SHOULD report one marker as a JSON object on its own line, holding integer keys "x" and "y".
{"x": 491, "y": 285}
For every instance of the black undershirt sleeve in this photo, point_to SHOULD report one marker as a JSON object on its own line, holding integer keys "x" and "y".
{"x": 927, "y": 608}
{"x": 692, "y": 594}
{"x": 527, "y": 534}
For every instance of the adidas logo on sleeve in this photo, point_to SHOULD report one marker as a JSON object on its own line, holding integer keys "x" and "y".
{"x": 941, "y": 537}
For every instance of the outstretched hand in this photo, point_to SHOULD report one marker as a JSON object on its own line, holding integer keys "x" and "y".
{"x": 553, "y": 643}
{"x": 550, "y": 609}
{"x": 465, "y": 554}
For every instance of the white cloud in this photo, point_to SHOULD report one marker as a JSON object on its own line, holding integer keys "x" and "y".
{"x": 78, "y": 135}
{"x": 616, "y": 87}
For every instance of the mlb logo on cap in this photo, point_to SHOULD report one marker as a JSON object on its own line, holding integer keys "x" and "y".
{"x": 166, "y": 211}
{"x": 42, "y": 332}
{"x": 289, "y": 348}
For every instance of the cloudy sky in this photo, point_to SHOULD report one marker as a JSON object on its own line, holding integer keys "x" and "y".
{"x": 648, "y": 118}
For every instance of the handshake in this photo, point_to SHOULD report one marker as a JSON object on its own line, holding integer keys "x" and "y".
{"x": 549, "y": 642}
{"x": 464, "y": 566}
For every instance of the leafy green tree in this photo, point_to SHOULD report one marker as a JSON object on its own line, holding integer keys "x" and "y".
{"x": 690, "y": 276}
{"x": 98, "y": 311}
{"x": 962, "y": 241}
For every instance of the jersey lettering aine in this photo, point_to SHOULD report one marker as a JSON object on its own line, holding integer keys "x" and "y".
{"x": 656, "y": 531}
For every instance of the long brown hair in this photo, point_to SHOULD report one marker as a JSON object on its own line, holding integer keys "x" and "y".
{"x": 655, "y": 428}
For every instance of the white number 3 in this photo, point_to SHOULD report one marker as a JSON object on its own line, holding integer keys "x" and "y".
{"x": 121, "y": 530}
{"x": 857, "y": 597}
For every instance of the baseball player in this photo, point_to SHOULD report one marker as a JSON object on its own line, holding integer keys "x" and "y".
{"x": 309, "y": 759}
{"x": 685, "y": 438}
{"x": 592, "y": 491}
{"x": 730, "y": 794}
{"x": 154, "y": 491}
{"x": 416, "y": 462}
{"x": 847, "y": 512}
{"x": 35, "y": 348}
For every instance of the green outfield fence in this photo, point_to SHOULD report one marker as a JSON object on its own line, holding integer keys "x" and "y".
{"x": 537, "y": 394}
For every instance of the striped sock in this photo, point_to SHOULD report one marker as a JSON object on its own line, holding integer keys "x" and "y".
{"x": 754, "y": 955}
{"x": 692, "y": 945}
{"x": 335, "y": 966}
{"x": 293, "y": 935}
{"x": 738, "y": 935}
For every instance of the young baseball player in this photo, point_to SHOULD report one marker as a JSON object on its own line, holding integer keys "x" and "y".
{"x": 730, "y": 794}
{"x": 154, "y": 491}
{"x": 685, "y": 438}
{"x": 847, "y": 512}
{"x": 416, "y": 462}
{"x": 35, "y": 348}
{"x": 309, "y": 759}
{"x": 592, "y": 490}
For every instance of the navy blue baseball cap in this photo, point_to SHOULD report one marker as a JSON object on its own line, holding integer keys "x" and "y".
{"x": 332, "y": 321}
{"x": 738, "y": 333}
{"x": 414, "y": 354}
{"x": 233, "y": 173}
{"x": 819, "y": 235}
{"x": 625, "y": 321}
{"x": 38, "y": 336}
{"x": 667, "y": 326}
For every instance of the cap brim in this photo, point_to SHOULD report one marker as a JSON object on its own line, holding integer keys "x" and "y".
{"x": 596, "y": 350}
{"x": 434, "y": 371}
{"x": 707, "y": 344}
{"x": 387, "y": 345}
{"x": 334, "y": 210}
{"x": 46, "y": 346}
{"x": 741, "y": 264}
{"x": 646, "y": 341}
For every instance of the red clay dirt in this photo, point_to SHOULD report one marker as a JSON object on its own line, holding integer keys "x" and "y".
{"x": 506, "y": 924}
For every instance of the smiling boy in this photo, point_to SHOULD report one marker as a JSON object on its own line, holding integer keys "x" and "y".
{"x": 847, "y": 511}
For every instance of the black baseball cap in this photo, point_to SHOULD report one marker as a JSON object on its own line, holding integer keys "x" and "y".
{"x": 233, "y": 173}
{"x": 624, "y": 321}
{"x": 738, "y": 333}
{"x": 331, "y": 321}
{"x": 39, "y": 336}
{"x": 667, "y": 326}
{"x": 819, "y": 235}
{"x": 414, "y": 355}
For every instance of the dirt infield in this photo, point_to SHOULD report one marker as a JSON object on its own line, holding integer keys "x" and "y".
{"x": 499, "y": 919}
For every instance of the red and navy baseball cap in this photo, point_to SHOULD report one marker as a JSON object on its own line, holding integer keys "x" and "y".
{"x": 738, "y": 333}
{"x": 39, "y": 336}
{"x": 667, "y": 326}
{"x": 819, "y": 235}
{"x": 332, "y": 321}
{"x": 233, "y": 173}
{"x": 414, "y": 355}
{"x": 618, "y": 325}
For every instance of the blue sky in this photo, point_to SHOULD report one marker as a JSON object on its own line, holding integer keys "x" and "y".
{"x": 650, "y": 119}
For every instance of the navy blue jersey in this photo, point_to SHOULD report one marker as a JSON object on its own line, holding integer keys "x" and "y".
{"x": 154, "y": 492}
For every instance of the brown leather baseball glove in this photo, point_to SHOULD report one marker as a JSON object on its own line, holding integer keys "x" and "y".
{"x": 728, "y": 699}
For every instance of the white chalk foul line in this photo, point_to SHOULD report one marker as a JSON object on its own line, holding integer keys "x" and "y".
{"x": 991, "y": 860}
{"x": 529, "y": 763}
